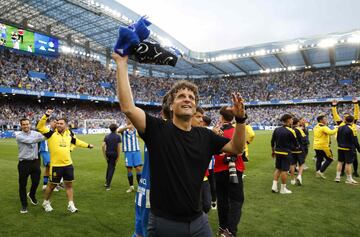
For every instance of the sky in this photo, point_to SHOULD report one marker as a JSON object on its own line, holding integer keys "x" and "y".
{"x": 209, "y": 25}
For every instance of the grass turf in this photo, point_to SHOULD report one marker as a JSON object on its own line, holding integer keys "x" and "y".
{"x": 318, "y": 208}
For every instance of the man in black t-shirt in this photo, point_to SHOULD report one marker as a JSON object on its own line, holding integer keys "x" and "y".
{"x": 111, "y": 151}
{"x": 179, "y": 155}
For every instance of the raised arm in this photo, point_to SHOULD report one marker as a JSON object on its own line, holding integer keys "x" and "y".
{"x": 237, "y": 143}
{"x": 356, "y": 109}
{"x": 334, "y": 112}
{"x": 124, "y": 94}
{"x": 41, "y": 126}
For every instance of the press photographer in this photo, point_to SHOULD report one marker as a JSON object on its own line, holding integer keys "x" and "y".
{"x": 228, "y": 171}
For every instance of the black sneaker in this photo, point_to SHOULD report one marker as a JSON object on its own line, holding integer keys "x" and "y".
{"x": 32, "y": 199}
{"x": 23, "y": 210}
{"x": 355, "y": 174}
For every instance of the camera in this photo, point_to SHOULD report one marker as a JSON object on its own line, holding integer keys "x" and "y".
{"x": 230, "y": 160}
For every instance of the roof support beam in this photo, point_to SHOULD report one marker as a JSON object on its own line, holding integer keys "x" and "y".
{"x": 280, "y": 61}
{"x": 47, "y": 10}
{"x": 258, "y": 63}
{"x": 238, "y": 67}
{"x": 218, "y": 68}
{"x": 305, "y": 58}
{"x": 332, "y": 56}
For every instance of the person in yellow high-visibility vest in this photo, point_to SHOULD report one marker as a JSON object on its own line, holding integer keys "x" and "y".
{"x": 249, "y": 136}
{"x": 59, "y": 142}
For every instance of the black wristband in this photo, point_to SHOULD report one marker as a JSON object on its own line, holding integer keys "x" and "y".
{"x": 241, "y": 120}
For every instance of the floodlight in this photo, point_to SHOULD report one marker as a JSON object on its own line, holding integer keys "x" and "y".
{"x": 327, "y": 43}
{"x": 260, "y": 52}
{"x": 354, "y": 39}
{"x": 291, "y": 48}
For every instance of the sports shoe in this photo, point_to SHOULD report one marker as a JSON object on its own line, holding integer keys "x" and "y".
{"x": 274, "y": 189}
{"x": 23, "y": 210}
{"x": 285, "y": 191}
{"x": 337, "y": 179}
{"x": 107, "y": 188}
{"x": 131, "y": 189}
{"x": 355, "y": 174}
{"x": 213, "y": 206}
{"x": 317, "y": 174}
{"x": 321, "y": 175}
{"x": 32, "y": 200}
{"x": 47, "y": 206}
{"x": 72, "y": 208}
{"x": 44, "y": 187}
{"x": 293, "y": 182}
{"x": 56, "y": 189}
{"x": 351, "y": 181}
{"x": 299, "y": 180}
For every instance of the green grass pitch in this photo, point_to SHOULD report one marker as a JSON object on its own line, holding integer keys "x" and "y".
{"x": 318, "y": 208}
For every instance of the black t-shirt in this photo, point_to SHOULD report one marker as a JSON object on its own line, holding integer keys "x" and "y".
{"x": 112, "y": 140}
{"x": 178, "y": 161}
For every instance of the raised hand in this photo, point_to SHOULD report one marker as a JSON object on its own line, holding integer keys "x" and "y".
{"x": 118, "y": 58}
{"x": 49, "y": 112}
{"x": 238, "y": 108}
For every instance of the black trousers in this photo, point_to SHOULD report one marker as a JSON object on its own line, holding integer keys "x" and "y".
{"x": 211, "y": 178}
{"x": 230, "y": 198}
{"x": 162, "y": 227}
{"x": 28, "y": 168}
{"x": 111, "y": 160}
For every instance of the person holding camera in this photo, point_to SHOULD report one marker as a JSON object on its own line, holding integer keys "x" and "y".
{"x": 228, "y": 171}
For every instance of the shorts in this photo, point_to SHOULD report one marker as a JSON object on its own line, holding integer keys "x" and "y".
{"x": 141, "y": 220}
{"x": 297, "y": 158}
{"x": 58, "y": 172}
{"x": 282, "y": 162}
{"x": 45, "y": 155}
{"x": 346, "y": 156}
{"x": 133, "y": 159}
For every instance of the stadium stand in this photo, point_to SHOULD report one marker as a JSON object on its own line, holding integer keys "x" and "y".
{"x": 70, "y": 74}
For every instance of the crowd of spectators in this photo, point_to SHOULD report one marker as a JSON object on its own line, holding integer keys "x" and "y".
{"x": 70, "y": 74}
{"x": 77, "y": 113}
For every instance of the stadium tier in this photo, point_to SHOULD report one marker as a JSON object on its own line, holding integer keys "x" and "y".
{"x": 79, "y": 76}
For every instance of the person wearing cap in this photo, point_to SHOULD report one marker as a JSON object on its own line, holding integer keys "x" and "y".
{"x": 321, "y": 145}
{"x": 283, "y": 142}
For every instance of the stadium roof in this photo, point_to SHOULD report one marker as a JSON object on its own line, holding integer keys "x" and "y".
{"x": 94, "y": 25}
